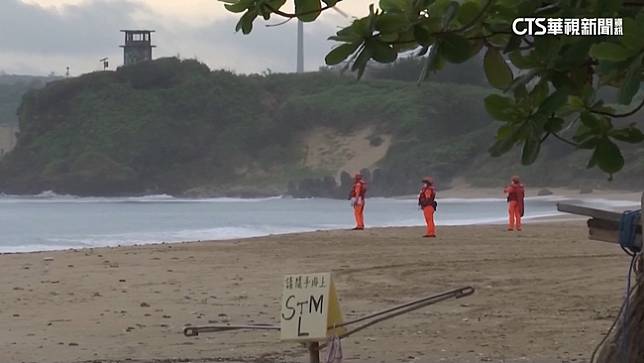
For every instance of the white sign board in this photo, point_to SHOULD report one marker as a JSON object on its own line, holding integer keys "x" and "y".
{"x": 310, "y": 308}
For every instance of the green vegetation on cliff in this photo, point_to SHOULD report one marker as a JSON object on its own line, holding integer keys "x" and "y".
{"x": 12, "y": 88}
{"x": 176, "y": 127}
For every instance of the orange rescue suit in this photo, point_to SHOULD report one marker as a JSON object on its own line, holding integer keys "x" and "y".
{"x": 427, "y": 201}
{"x": 516, "y": 209}
{"x": 357, "y": 196}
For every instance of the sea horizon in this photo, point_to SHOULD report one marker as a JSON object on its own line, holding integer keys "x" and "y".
{"x": 49, "y": 221}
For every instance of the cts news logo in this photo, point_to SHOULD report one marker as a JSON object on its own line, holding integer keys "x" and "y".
{"x": 567, "y": 26}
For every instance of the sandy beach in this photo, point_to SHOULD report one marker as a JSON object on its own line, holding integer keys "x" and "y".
{"x": 544, "y": 295}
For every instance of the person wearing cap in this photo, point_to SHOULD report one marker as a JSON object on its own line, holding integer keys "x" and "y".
{"x": 357, "y": 197}
{"x": 516, "y": 195}
{"x": 427, "y": 202}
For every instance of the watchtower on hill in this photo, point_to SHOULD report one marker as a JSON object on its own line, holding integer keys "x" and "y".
{"x": 138, "y": 46}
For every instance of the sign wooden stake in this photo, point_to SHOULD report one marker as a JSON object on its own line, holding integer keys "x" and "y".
{"x": 310, "y": 308}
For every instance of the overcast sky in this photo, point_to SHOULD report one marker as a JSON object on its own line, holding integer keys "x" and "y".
{"x": 43, "y": 36}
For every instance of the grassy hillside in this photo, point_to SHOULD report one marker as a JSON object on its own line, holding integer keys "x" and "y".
{"x": 12, "y": 88}
{"x": 176, "y": 127}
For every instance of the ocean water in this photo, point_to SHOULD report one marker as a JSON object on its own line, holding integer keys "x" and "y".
{"x": 51, "y": 222}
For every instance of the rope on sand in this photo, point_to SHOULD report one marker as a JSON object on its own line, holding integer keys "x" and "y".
{"x": 334, "y": 351}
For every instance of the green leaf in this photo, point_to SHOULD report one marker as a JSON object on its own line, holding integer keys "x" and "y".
{"x": 554, "y": 124}
{"x": 501, "y": 108}
{"x": 506, "y": 139}
{"x": 633, "y": 37}
{"x": 505, "y": 131}
{"x": 591, "y": 121}
{"x": 391, "y": 23}
{"x": 521, "y": 61}
{"x": 553, "y": 102}
{"x": 539, "y": 93}
{"x": 397, "y": 6}
{"x": 547, "y": 48}
{"x": 440, "y": 61}
{"x": 245, "y": 23}
{"x": 520, "y": 82}
{"x": 468, "y": 12}
{"x": 361, "y": 62}
{"x": 498, "y": 73}
{"x": 456, "y": 48}
{"x": 527, "y": 6}
{"x": 449, "y": 13}
{"x": 513, "y": 44}
{"x": 607, "y": 156}
{"x": 530, "y": 152}
{"x": 520, "y": 93}
{"x": 437, "y": 9}
{"x": 430, "y": 62}
{"x": 612, "y": 52}
{"x": 340, "y": 53}
{"x": 631, "y": 84}
{"x": 607, "y": 6}
{"x": 575, "y": 54}
{"x": 381, "y": 52}
{"x": 238, "y": 6}
{"x": 405, "y": 41}
{"x": 630, "y": 134}
{"x": 422, "y": 35}
{"x": 308, "y": 10}
{"x": 503, "y": 13}
{"x": 576, "y": 102}
{"x": 350, "y": 34}
{"x": 589, "y": 144}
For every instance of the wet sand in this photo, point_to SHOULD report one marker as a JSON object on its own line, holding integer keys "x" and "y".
{"x": 546, "y": 294}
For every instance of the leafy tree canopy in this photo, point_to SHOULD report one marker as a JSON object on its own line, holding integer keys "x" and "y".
{"x": 548, "y": 86}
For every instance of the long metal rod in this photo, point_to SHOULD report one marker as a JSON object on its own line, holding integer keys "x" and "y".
{"x": 384, "y": 314}
{"x": 193, "y": 331}
{"x": 457, "y": 293}
{"x": 406, "y": 308}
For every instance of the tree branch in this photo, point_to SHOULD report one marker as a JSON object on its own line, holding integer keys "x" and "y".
{"x": 544, "y": 137}
{"x": 280, "y": 23}
{"x": 293, "y": 15}
{"x": 476, "y": 18}
{"x": 564, "y": 140}
{"x": 485, "y": 36}
{"x": 619, "y": 115}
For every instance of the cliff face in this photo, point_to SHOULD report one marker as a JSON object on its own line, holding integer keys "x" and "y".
{"x": 176, "y": 127}
{"x": 12, "y": 88}
{"x": 7, "y": 138}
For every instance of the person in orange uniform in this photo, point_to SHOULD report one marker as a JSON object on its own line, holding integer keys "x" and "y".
{"x": 427, "y": 201}
{"x": 357, "y": 197}
{"x": 516, "y": 196}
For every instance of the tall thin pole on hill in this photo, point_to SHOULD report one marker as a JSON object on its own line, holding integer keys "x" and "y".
{"x": 300, "y": 46}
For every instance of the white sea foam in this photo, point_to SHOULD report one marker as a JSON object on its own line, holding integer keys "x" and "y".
{"x": 80, "y": 222}
{"x": 51, "y": 197}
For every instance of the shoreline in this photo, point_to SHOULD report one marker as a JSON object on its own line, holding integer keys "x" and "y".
{"x": 459, "y": 191}
{"x": 543, "y": 295}
{"x": 554, "y": 218}
{"x": 605, "y": 200}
